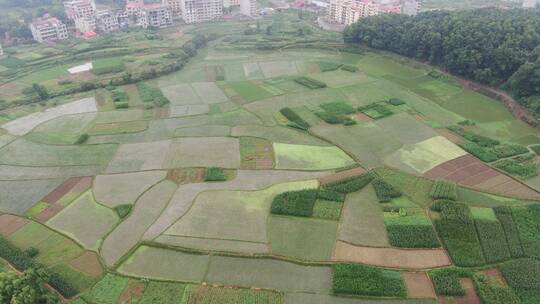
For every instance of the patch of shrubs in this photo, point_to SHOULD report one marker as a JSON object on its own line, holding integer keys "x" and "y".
{"x": 123, "y": 210}
{"x": 536, "y": 149}
{"x": 310, "y": 82}
{"x": 31, "y": 252}
{"x": 526, "y": 219}
{"x": 335, "y": 119}
{"x": 151, "y": 96}
{"x": 327, "y": 66}
{"x": 82, "y": 139}
{"x": 214, "y": 174}
{"x": 295, "y": 203}
{"x": 412, "y": 236}
{"x": 457, "y": 230}
{"x": 331, "y": 196}
{"x": 354, "y": 279}
{"x": 504, "y": 215}
{"x": 443, "y": 190}
{"x": 294, "y": 118}
{"x": 483, "y": 154}
{"x": 492, "y": 292}
{"x": 522, "y": 273}
{"x": 351, "y": 184}
{"x": 349, "y": 68}
{"x": 385, "y": 192}
{"x": 482, "y": 141}
{"x": 514, "y": 167}
{"x": 340, "y": 108}
{"x": 508, "y": 150}
{"x": 120, "y": 99}
{"x": 446, "y": 281}
{"x": 375, "y": 110}
{"x": 62, "y": 285}
{"x": 493, "y": 240}
{"x": 109, "y": 69}
{"x": 395, "y": 101}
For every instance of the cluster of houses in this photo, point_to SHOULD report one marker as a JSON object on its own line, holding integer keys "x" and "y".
{"x": 349, "y": 11}
{"x": 89, "y": 21}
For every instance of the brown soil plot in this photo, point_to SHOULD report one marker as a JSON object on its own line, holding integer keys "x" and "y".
{"x": 257, "y": 153}
{"x": 11, "y": 223}
{"x": 419, "y": 285}
{"x": 341, "y": 175}
{"x": 61, "y": 190}
{"x": 184, "y": 176}
{"x": 49, "y": 213}
{"x": 88, "y": 263}
{"x": 391, "y": 257}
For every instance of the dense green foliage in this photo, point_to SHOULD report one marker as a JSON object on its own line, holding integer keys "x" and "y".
{"x": 214, "y": 174}
{"x": 385, "y": 192}
{"x": 120, "y": 98}
{"x": 363, "y": 280}
{"x": 523, "y": 275}
{"x": 123, "y": 210}
{"x": 504, "y": 215}
{"x": 375, "y": 110}
{"x": 26, "y": 288}
{"x": 295, "y": 203}
{"x": 412, "y": 236}
{"x": 351, "y": 184}
{"x": 457, "y": 230}
{"x": 536, "y": 149}
{"x": 515, "y": 167}
{"x": 109, "y": 69}
{"x": 446, "y": 282}
{"x": 493, "y": 240}
{"x": 482, "y": 141}
{"x": 526, "y": 219}
{"x": 491, "y": 46}
{"x": 508, "y": 150}
{"x": 482, "y": 153}
{"x": 293, "y": 117}
{"x": 151, "y": 96}
{"x": 492, "y": 292}
{"x": 444, "y": 190}
{"x": 310, "y": 82}
{"x": 338, "y": 108}
{"x": 331, "y": 195}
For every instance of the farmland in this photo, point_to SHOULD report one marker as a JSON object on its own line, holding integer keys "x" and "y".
{"x": 298, "y": 173}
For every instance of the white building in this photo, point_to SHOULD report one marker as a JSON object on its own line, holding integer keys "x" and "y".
{"x": 77, "y": 9}
{"x": 155, "y": 15}
{"x": 48, "y": 29}
{"x": 248, "y": 7}
{"x": 229, "y": 3}
{"x": 530, "y": 3}
{"x": 349, "y": 11}
{"x": 201, "y": 10}
{"x": 107, "y": 21}
{"x": 175, "y": 5}
{"x": 85, "y": 25}
{"x": 410, "y": 7}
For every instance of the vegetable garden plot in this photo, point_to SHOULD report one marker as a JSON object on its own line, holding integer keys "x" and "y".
{"x": 419, "y": 285}
{"x": 252, "y": 70}
{"x": 209, "y": 92}
{"x": 391, "y": 257}
{"x": 310, "y": 157}
{"x": 9, "y": 224}
{"x": 278, "y": 134}
{"x": 221, "y": 295}
{"x": 273, "y": 69}
{"x": 140, "y": 156}
{"x": 181, "y": 94}
{"x": 117, "y": 189}
{"x": 250, "y": 91}
{"x": 23, "y": 125}
{"x": 85, "y": 221}
{"x": 189, "y": 110}
{"x": 256, "y": 153}
{"x": 88, "y": 263}
{"x": 212, "y": 244}
{"x": 118, "y": 127}
{"x": 61, "y": 130}
{"x": 305, "y": 239}
{"x": 221, "y": 152}
{"x": 204, "y": 131}
{"x": 147, "y": 209}
{"x": 19, "y": 196}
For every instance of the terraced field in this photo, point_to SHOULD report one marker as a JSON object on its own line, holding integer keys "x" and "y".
{"x": 250, "y": 185}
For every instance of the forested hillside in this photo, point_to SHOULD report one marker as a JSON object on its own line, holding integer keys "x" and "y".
{"x": 492, "y": 46}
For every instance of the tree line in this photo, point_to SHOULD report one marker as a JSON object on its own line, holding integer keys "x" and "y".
{"x": 492, "y": 46}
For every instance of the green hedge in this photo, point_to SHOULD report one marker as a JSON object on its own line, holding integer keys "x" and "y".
{"x": 327, "y": 66}
{"x": 395, "y": 101}
{"x": 18, "y": 258}
{"x": 493, "y": 240}
{"x": 214, "y": 174}
{"x": 349, "y": 68}
{"x": 412, "y": 236}
{"x": 480, "y": 152}
{"x": 295, "y": 118}
{"x": 295, "y": 203}
{"x": 482, "y": 141}
{"x": 354, "y": 279}
{"x": 109, "y": 69}
{"x": 331, "y": 195}
{"x": 492, "y": 292}
{"x": 516, "y": 168}
{"x": 526, "y": 219}
{"x": 385, "y": 192}
{"x": 310, "y": 82}
{"x": 61, "y": 285}
{"x": 508, "y": 150}
{"x": 351, "y": 184}
{"x": 504, "y": 215}
{"x": 443, "y": 190}
{"x": 457, "y": 230}
{"x": 151, "y": 95}
{"x": 446, "y": 282}
{"x": 339, "y": 108}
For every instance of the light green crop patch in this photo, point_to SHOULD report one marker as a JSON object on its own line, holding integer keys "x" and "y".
{"x": 304, "y": 157}
{"x": 483, "y": 214}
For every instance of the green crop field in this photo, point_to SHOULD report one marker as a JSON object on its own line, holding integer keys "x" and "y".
{"x": 260, "y": 161}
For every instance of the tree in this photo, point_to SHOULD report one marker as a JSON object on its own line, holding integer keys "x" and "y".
{"x": 41, "y": 91}
{"x": 26, "y": 288}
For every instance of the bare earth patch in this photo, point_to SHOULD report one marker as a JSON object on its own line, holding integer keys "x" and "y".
{"x": 471, "y": 172}
{"x": 419, "y": 285}
{"x": 184, "y": 176}
{"x": 342, "y": 175}
{"x": 391, "y": 257}
{"x": 88, "y": 263}
{"x": 11, "y": 223}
